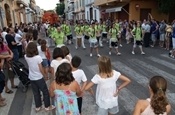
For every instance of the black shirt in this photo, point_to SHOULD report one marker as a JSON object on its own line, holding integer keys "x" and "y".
{"x": 9, "y": 38}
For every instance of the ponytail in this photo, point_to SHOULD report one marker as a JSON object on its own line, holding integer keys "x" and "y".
{"x": 159, "y": 100}
{"x": 43, "y": 45}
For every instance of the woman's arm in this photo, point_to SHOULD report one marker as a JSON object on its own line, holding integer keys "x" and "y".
{"x": 41, "y": 69}
{"x": 89, "y": 85}
{"x": 168, "y": 109}
{"x": 125, "y": 80}
{"x": 51, "y": 89}
{"x": 138, "y": 108}
{"x": 78, "y": 90}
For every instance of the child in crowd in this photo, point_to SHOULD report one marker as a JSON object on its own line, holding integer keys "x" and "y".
{"x": 36, "y": 74}
{"x": 113, "y": 42}
{"x": 4, "y": 50}
{"x": 107, "y": 92}
{"x": 66, "y": 52}
{"x": 65, "y": 91}
{"x": 43, "y": 52}
{"x": 158, "y": 103}
{"x": 58, "y": 58}
{"x": 137, "y": 33}
{"x": 79, "y": 76}
{"x": 128, "y": 35}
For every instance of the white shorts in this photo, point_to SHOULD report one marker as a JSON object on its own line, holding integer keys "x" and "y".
{"x": 102, "y": 111}
{"x": 60, "y": 45}
{"x": 173, "y": 42}
{"x": 93, "y": 42}
{"x": 162, "y": 37}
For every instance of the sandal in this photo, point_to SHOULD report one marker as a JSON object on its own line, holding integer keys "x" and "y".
{"x": 15, "y": 87}
{"x": 2, "y": 104}
{"x": 9, "y": 91}
{"x": 2, "y": 99}
{"x": 37, "y": 109}
{"x": 50, "y": 108}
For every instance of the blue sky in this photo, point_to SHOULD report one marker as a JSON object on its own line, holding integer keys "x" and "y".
{"x": 47, "y": 4}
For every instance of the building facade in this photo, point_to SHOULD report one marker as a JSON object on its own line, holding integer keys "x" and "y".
{"x": 129, "y": 9}
{"x": 79, "y": 9}
{"x": 92, "y": 12}
{"x": 70, "y": 10}
{"x": 18, "y": 11}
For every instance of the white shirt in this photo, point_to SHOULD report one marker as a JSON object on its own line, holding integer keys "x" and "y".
{"x": 18, "y": 39}
{"x": 3, "y": 34}
{"x": 106, "y": 88}
{"x": 79, "y": 76}
{"x": 41, "y": 53}
{"x": 34, "y": 72}
{"x": 55, "y": 63}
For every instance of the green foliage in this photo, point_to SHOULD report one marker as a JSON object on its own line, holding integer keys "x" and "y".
{"x": 166, "y": 6}
{"x": 60, "y": 8}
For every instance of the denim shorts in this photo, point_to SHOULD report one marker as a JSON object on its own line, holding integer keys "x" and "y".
{"x": 45, "y": 63}
{"x": 102, "y": 111}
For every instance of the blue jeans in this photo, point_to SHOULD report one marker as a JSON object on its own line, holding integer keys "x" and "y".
{"x": 15, "y": 54}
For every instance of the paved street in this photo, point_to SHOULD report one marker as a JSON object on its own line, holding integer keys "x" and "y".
{"x": 139, "y": 68}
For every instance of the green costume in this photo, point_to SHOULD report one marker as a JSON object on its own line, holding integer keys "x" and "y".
{"x": 113, "y": 33}
{"x": 59, "y": 38}
{"x": 137, "y": 33}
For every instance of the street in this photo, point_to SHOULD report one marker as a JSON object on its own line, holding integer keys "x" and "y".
{"x": 139, "y": 68}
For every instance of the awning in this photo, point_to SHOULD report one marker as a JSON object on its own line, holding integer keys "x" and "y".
{"x": 116, "y": 9}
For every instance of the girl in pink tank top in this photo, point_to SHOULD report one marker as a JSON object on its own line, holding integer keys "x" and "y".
{"x": 158, "y": 103}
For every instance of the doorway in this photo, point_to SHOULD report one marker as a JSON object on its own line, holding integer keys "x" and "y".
{"x": 144, "y": 13}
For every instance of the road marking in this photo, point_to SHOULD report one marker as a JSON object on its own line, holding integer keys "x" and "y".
{"x": 162, "y": 62}
{"x": 153, "y": 69}
{"x": 142, "y": 79}
{"x": 166, "y": 56}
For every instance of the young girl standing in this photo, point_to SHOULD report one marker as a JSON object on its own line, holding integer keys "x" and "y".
{"x": 107, "y": 92}
{"x": 36, "y": 75}
{"x": 65, "y": 91}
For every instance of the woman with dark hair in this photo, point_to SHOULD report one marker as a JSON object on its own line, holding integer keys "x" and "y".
{"x": 65, "y": 91}
{"x": 58, "y": 58}
{"x": 157, "y": 104}
{"x": 36, "y": 75}
{"x": 66, "y": 53}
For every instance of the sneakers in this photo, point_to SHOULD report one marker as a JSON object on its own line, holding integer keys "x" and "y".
{"x": 50, "y": 108}
{"x": 90, "y": 54}
{"x": 76, "y": 47}
{"x": 109, "y": 53}
{"x": 118, "y": 53}
{"x": 133, "y": 52}
{"x": 98, "y": 55}
{"x": 38, "y": 109}
{"x": 120, "y": 45}
{"x": 143, "y": 53}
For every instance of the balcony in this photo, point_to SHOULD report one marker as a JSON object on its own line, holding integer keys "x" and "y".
{"x": 20, "y": 3}
{"x": 107, "y": 2}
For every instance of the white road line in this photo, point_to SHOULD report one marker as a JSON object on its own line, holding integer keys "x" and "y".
{"x": 166, "y": 56}
{"x": 151, "y": 68}
{"x": 162, "y": 62}
{"x": 139, "y": 78}
{"x": 155, "y": 70}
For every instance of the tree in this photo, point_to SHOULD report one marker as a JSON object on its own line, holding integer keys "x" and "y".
{"x": 166, "y": 6}
{"x": 60, "y": 8}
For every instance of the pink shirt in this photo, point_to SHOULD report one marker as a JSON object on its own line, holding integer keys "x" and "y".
{"x": 149, "y": 110}
{"x": 4, "y": 50}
